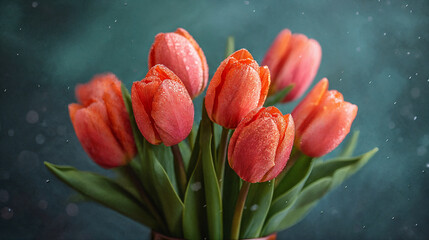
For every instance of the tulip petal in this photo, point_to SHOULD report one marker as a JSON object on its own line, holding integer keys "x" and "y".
{"x": 254, "y": 151}
{"x": 331, "y": 124}
{"x": 142, "y": 94}
{"x": 200, "y": 52}
{"x": 302, "y": 113}
{"x": 120, "y": 121}
{"x": 94, "y": 90}
{"x": 96, "y": 137}
{"x": 286, "y": 128}
{"x": 275, "y": 56}
{"x": 214, "y": 88}
{"x": 178, "y": 54}
{"x": 239, "y": 95}
{"x": 172, "y": 112}
{"x": 264, "y": 74}
{"x": 305, "y": 69}
{"x": 288, "y": 70}
{"x": 242, "y": 54}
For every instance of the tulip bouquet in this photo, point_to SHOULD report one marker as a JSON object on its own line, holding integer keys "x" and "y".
{"x": 246, "y": 171}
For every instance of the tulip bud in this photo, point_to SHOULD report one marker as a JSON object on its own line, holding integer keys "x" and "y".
{"x": 322, "y": 120}
{"x": 101, "y": 122}
{"x": 163, "y": 109}
{"x": 292, "y": 59}
{"x": 238, "y": 86}
{"x": 260, "y": 146}
{"x": 181, "y": 54}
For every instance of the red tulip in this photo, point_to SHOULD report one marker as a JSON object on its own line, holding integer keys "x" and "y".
{"x": 101, "y": 121}
{"x": 180, "y": 53}
{"x": 322, "y": 120}
{"x": 292, "y": 59}
{"x": 163, "y": 109}
{"x": 260, "y": 146}
{"x": 238, "y": 86}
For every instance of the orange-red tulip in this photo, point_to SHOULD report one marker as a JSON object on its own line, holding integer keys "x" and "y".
{"x": 292, "y": 59}
{"x": 101, "y": 121}
{"x": 238, "y": 86}
{"x": 322, "y": 120}
{"x": 260, "y": 146}
{"x": 181, "y": 54}
{"x": 163, "y": 109}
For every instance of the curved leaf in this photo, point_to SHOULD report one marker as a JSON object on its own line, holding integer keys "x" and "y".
{"x": 194, "y": 216}
{"x": 211, "y": 186}
{"x": 286, "y": 193}
{"x": 348, "y": 150}
{"x": 232, "y": 188}
{"x": 339, "y": 169}
{"x": 324, "y": 177}
{"x": 104, "y": 191}
{"x": 256, "y": 209}
{"x": 171, "y": 204}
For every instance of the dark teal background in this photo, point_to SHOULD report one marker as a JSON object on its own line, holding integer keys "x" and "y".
{"x": 375, "y": 52}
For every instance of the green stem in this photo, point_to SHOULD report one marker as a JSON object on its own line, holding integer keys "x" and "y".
{"x": 236, "y": 220}
{"x": 191, "y": 139}
{"x": 179, "y": 169}
{"x": 135, "y": 179}
{"x": 220, "y": 168}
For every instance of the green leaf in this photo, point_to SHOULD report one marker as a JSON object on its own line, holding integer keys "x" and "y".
{"x": 186, "y": 153}
{"x": 230, "y": 46}
{"x": 231, "y": 190}
{"x": 256, "y": 209}
{"x": 273, "y": 100}
{"x": 339, "y": 169}
{"x": 286, "y": 192}
{"x": 194, "y": 216}
{"x": 104, "y": 191}
{"x": 166, "y": 159}
{"x": 211, "y": 186}
{"x": 324, "y": 177}
{"x": 306, "y": 200}
{"x": 171, "y": 204}
{"x": 348, "y": 150}
{"x": 195, "y": 154}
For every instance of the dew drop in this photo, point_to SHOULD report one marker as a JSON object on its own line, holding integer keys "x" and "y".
{"x": 415, "y": 118}
{"x": 48, "y": 181}
{"x": 254, "y": 207}
{"x": 32, "y": 117}
{"x": 40, "y": 139}
{"x": 196, "y": 186}
{"x": 6, "y": 213}
{"x": 10, "y": 132}
{"x": 393, "y": 218}
{"x": 72, "y": 209}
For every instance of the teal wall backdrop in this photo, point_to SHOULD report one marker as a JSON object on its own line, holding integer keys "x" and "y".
{"x": 376, "y": 52}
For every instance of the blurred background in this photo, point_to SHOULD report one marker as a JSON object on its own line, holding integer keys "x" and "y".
{"x": 374, "y": 51}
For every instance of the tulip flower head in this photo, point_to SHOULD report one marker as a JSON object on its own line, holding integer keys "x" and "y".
{"x": 162, "y": 107}
{"x": 260, "y": 146}
{"x": 101, "y": 121}
{"x": 238, "y": 86}
{"x": 292, "y": 59}
{"x": 322, "y": 120}
{"x": 181, "y": 54}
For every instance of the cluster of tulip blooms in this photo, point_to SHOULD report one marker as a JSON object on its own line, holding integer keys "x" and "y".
{"x": 173, "y": 177}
